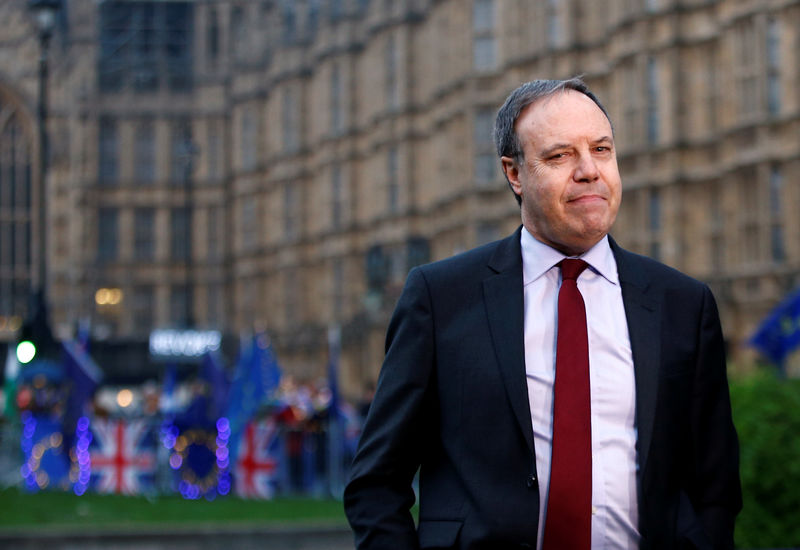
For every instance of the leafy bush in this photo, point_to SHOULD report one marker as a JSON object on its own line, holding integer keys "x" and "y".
{"x": 766, "y": 411}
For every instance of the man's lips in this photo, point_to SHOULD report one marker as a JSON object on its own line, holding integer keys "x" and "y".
{"x": 583, "y": 199}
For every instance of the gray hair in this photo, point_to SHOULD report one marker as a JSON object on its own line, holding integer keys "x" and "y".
{"x": 506, "y": 139}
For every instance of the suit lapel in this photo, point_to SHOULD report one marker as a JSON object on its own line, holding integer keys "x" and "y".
{"x": 643, "y": 314}
{"x": 504, "y": 299}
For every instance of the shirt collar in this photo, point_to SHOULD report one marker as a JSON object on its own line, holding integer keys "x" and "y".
{"x": 538, "y": 258}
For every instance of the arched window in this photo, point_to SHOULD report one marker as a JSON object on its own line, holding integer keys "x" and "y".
{"x": 16, "y": 183}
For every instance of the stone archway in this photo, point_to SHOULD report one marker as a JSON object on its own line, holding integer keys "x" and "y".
{"x": 16, "y": 209}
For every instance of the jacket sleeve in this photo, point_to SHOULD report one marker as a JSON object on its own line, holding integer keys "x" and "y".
{"x": 717, "y": 496}
{"x": 379, "y": 494}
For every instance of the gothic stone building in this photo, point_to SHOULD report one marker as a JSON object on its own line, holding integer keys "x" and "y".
{"x": 281, "y": 164}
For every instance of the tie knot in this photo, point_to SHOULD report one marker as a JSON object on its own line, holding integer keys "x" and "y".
{"x": 571, "y": 268}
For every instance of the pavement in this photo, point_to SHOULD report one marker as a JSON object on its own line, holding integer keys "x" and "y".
{"x": 195, "y": 538}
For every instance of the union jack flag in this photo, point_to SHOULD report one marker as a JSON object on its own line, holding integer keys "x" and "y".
{"x": 124, "y": 459}
{"x": 257, "y": 463}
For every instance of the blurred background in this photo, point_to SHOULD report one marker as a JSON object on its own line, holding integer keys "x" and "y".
{"x": 209, "y": 207}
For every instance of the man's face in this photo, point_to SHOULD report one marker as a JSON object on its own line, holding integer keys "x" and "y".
{"x": 568, "y": 181}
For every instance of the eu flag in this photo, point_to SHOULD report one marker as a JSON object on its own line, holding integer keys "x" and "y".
{"x": 257, "y": 375}
{"x": 213, "y": 371}
{"x": 83, "y": 376}
{"x": 779, "y": 333}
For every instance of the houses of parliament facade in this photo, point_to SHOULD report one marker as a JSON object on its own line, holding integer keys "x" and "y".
{"x": 280, "y": 165}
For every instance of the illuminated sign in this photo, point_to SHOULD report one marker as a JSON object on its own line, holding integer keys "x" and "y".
{"x": 186, "y": 344}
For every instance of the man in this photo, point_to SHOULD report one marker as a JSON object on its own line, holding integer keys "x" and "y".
{"x": 612, "y": 430}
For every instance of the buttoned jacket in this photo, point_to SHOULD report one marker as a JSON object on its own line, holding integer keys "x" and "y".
{"x": 452, "y": 403}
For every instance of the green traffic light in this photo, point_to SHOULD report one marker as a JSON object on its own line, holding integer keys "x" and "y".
{"x": 26, "y": 351}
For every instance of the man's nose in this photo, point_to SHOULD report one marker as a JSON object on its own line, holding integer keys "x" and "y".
{"x": 586, "y": 170}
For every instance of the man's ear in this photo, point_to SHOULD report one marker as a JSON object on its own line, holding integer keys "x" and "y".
{"x": 511, "y": 171}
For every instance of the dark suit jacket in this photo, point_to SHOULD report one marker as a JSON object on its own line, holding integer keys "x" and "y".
{"x": 452, "y": 401}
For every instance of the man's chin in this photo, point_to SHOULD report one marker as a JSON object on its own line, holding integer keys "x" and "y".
{"x": 585, "y": 240}
{"x": 594, "y": 227}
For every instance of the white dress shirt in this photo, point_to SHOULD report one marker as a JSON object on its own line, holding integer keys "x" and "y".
{"x": 613, "y": 392}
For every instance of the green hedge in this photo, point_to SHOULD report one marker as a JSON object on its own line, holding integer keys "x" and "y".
{"x": 766, "y": 411}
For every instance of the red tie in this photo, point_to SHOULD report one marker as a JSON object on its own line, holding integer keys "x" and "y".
{"x": 569, "y": 504}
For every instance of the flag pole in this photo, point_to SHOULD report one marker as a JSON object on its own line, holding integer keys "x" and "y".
{"x": 335, "y": 427}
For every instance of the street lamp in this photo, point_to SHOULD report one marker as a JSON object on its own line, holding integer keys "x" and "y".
{"x": 44, "y": 13}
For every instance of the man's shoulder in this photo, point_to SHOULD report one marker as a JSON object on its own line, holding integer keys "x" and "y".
{"x": 475, "y": 261}
{"x": 637, "y": 268}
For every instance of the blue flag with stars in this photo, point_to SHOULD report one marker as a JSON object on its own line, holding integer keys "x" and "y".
{"x": 779, "y": 333}
{"x": 257, "y": 375}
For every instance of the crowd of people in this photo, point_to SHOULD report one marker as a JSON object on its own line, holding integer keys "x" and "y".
{"x": 307, "y": 455}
